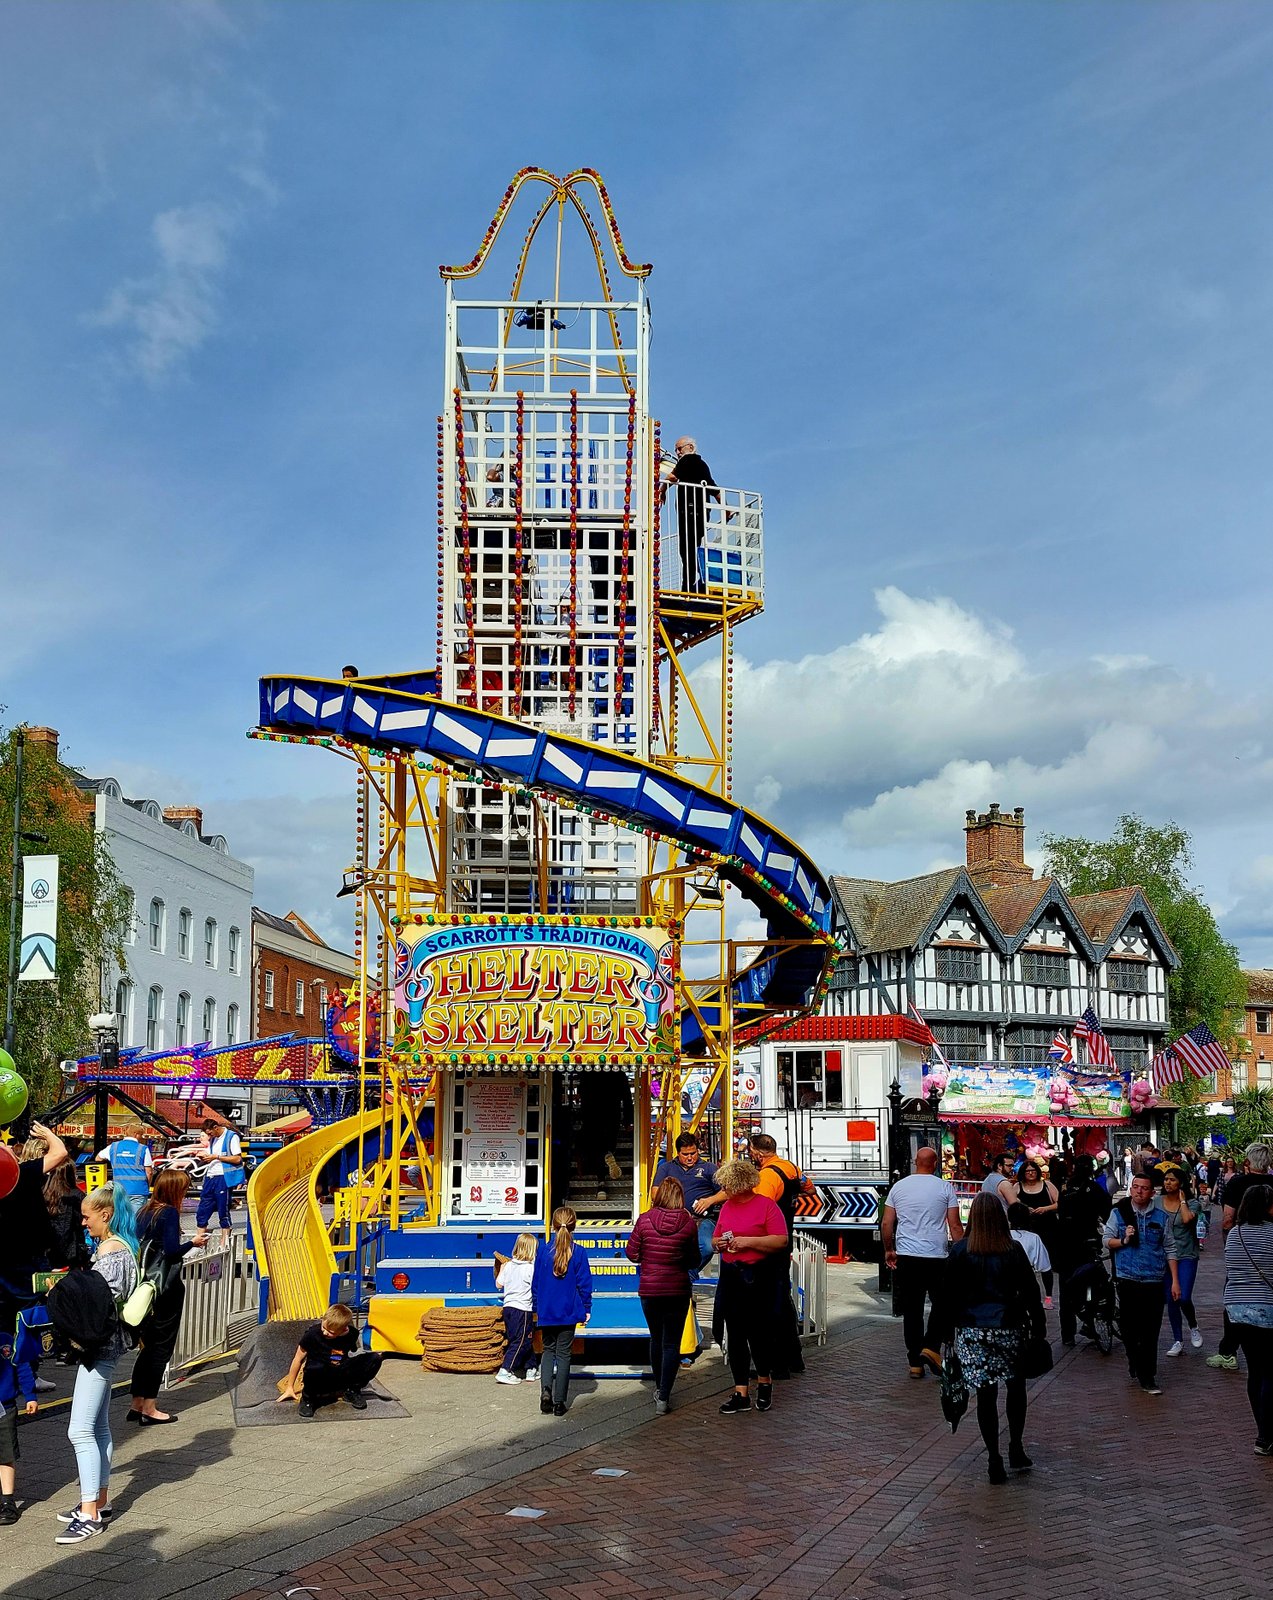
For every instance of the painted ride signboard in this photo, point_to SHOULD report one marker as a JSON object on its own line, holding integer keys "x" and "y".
{"x": 513, "y": 993}
{"x": 1033, "y": 1093}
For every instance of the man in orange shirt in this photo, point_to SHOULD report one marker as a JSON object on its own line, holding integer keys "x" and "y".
{"x": 781, "y": 1182}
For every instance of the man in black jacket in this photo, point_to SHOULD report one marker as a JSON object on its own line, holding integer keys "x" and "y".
{"x": 1080, "y": 1216}
{"x": 693, "y": 480}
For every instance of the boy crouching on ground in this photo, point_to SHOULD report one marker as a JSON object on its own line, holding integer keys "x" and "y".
{"x": 325, "y": 1367}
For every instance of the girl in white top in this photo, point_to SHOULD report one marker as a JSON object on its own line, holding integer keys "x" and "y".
{"x": 514, "y": 1279}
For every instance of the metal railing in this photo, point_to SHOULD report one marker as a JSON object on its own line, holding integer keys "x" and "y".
{"x": 220, "y": 1286}
{"x": 731, "y": 547}
{"x": 809, "y": 1286}
{"x": 843, "y": 1143}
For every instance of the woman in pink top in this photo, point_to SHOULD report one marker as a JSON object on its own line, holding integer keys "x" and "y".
{"x": 749, "y": 1234}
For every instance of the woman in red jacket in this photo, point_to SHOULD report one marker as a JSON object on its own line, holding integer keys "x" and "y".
{"x": 664, "y": 1245}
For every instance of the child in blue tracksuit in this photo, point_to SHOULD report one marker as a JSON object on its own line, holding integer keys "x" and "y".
{"x": 17, "y": 1378}
{"x": 561, "y": 1287}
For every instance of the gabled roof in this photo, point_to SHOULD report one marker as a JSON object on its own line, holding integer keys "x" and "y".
{"x": 1013, "y": 907}
{"x": 1108, "y": 912}
{"x": 1259, "y": 985}
{"x": 894, "y": 916}
{"x": 1017, "y": 909}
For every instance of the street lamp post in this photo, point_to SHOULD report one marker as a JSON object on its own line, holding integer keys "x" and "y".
{"x": 933, "y": 1096}
{"x": 898, "y": 1157}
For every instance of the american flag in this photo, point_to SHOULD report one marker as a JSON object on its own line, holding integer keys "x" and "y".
{"x": 1088, "y": 1029}
{"x": 1201, "y": 1051}
{"x": 1166, "y": 1067}
{"x": 1060, "y": 1050}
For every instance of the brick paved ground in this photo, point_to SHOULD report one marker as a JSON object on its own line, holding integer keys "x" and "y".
{"x": 851, "y": 1487}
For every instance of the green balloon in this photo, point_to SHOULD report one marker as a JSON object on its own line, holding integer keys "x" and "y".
{"x": 13, "y": 1091}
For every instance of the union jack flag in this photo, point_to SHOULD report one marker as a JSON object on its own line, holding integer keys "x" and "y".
{"x": 1060, "y": 1050}
{"x": 934, "y": 1052}
{"x": 1201, "y": 1051}
{"x": 1088, "y": 1029}
{"x": 1166, "y": 1067}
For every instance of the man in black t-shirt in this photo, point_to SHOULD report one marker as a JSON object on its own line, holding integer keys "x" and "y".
{"x": 325, "y": 1366}
{"x": 693, "y": 479}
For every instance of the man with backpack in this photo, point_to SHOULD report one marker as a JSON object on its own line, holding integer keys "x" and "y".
{"x": 782, "y": 1183}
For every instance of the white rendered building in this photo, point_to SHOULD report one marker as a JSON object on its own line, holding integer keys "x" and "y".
{"x": 187, "y": 977}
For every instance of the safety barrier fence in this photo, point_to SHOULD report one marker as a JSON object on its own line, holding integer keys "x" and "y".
{"x": 809, "y": 1286}
{"x": 220, "y": 1288}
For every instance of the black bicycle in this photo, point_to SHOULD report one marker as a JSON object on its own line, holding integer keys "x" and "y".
{"x": 1097, "y": 1304}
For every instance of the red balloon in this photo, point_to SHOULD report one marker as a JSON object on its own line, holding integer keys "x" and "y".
{"x": 8, "y": 1171}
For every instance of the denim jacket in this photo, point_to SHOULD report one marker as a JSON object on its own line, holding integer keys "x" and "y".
{"x": 1145, "y": 1261}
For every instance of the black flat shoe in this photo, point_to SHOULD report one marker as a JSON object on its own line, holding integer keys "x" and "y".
{"x": 133, "y": 1416}
{"x": 156, "y": 1422}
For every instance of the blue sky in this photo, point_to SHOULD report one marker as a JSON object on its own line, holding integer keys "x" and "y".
{"x": 978, "y": 296}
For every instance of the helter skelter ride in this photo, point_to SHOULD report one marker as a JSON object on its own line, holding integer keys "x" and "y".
{"x": 547, "y": 852}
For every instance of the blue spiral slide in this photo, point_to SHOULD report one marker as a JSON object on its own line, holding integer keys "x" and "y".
{"x": 404, "y": 713}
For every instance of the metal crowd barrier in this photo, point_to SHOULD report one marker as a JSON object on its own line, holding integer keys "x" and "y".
{"x": 220, "y": 1287}
{"x": 809, "y": 1286}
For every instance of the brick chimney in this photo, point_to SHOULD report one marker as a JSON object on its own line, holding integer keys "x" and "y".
{"x": 185, "y": 814}
{"x": 45, "y": 736}
{"x": 994, "y": 848}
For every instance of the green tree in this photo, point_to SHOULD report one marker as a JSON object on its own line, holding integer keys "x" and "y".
{"x": 1208, "y": 985}
{"x": 94, "y": 909}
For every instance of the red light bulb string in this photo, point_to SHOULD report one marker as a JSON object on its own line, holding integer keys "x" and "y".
{"x": 469, "y": 677}
{"x": 573, "y": 603}
{"x": 441, "y": 633}
{"x": 519, "y": 559}
{"x": 657, "y": 707}
{"x": 625, "y": 565}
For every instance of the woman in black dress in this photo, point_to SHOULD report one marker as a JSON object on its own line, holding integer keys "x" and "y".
{"x": 159, "y": 1233}
{"x": 1040, "y": 1198}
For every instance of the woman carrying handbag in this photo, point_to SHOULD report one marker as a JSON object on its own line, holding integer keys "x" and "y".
{"x": 162, "y": 1252}
{"x": 1000, "y": 1331}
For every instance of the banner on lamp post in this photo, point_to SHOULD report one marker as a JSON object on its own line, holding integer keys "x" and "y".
{"x": 37, "y": 954}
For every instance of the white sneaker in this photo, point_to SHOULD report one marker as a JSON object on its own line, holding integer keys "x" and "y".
{"x": 531, "y": 1375}
{"x": 44, "y": 1386}
{"x": 1175, "y": 1349}
{"x": 505, "y": 1376}
{"x": 1195, "y": 1338}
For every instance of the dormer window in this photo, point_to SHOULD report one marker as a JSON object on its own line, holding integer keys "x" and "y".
{"x": 153, "y": 811}
{"x": 1127, "y": 977}
{"x": 1046, "y": 971}
{"x": 959, "y": 963}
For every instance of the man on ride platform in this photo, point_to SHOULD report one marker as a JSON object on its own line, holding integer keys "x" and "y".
{"x": 693, "y": 479}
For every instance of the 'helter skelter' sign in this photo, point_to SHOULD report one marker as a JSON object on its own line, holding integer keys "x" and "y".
{"x": 515, "y": 992}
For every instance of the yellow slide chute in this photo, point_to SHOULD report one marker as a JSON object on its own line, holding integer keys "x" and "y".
{"x": 293, "y": 1246}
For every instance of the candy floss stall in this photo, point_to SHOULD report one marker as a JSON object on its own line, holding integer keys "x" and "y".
{"x": 1028, "y": 1109}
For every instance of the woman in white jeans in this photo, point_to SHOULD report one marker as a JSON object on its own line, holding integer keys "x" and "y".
{"x": 108, "y": 1218}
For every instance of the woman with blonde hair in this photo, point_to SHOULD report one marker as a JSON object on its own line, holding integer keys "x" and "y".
{"x": 995, "y": 1307}
{"x": 750, "y": 1235}
{"x": 664, "y": 1245}
{"x": 561, "y": 1287}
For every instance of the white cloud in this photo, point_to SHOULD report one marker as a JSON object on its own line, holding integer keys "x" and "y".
{"x": 171, "y": 312}
{"x": 871, "y": 753}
